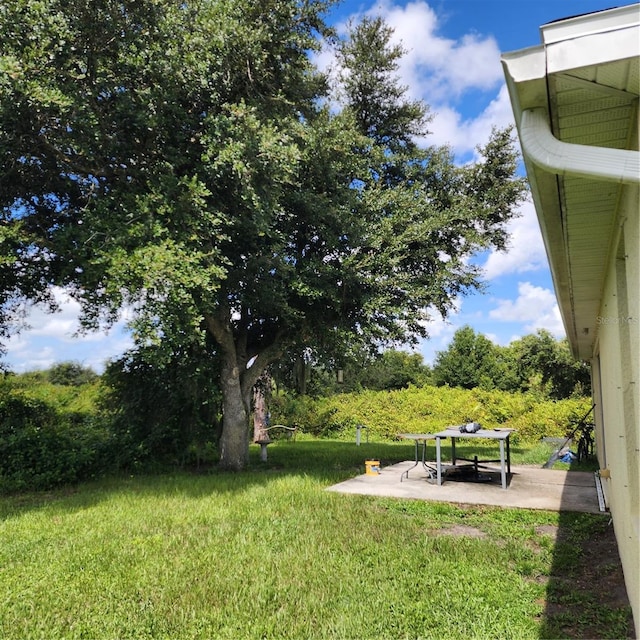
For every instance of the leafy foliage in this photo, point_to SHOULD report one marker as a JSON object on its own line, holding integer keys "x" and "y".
{"x": 470, "y": 361}
{"x": 150, "y": 412}
{"x": 71, "y": 374}
{"x": 540, "y": 355}
{"x": 147, "y": 411}
{"x": 392, "y": 370}
{"x": 180, "y": 157}
{"x": 49, "y": 438}
{"x": 389, "y": 369}
{"x": 430, "y": 409}
{"x": 23, "y": 274}
{"x": 163, "y": 410}
{"x": 537, "y": 362}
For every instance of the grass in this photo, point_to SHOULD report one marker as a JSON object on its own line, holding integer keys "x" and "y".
{"x": 268, "y": 553}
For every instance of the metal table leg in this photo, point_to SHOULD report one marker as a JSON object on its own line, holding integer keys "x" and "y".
{"x": 418, "y": 459}
{"x": 406, "y": 473}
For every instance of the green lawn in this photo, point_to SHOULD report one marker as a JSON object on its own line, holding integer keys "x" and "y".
{"x": 269, "y": 553}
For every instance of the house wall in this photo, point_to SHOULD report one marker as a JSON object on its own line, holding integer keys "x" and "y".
{"x": 616, "y": 376}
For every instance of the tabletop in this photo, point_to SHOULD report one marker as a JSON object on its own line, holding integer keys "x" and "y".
{"x": 492, "y": 434}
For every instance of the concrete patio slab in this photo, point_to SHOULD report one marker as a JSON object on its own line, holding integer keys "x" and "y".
{"x": 529, "y": 488}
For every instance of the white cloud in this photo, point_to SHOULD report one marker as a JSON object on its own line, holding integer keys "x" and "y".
{"x": 59, "y": 323}
{"x": 441, "y": 71}
{"x": 474, "y": 62}
{"x": 498, "y": 113}
{"x": 435, "y": 67}
{"x": 526, "y": 249}
{"x": 35, "y": 359}
{"x": 54, "y": 337}
{"x": 437, "y": 325}
{"x": 62, "y": 324}
{"x": 441, "y": 331}
{"x": 535, "y": 307}
{"x": 449, "y": 128}
{"x": 110, "y": 347}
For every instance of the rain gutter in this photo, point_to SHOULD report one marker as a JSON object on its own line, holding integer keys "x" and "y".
{"x": 564, "y": 158}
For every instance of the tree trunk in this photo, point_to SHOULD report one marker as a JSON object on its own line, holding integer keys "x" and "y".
{"x": 300, "y": 369}
{"x": 240, "y": 371}
{"x": 234, "y": 442}
{"x": 260, "y": 422}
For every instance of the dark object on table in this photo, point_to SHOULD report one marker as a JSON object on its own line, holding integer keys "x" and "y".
{"x": 470, "y": 427}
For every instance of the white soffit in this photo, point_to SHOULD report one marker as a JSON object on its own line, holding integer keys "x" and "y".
{"x": 579, "y": 92}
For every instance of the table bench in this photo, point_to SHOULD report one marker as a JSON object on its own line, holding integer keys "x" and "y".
{"x": 290, "y": 433}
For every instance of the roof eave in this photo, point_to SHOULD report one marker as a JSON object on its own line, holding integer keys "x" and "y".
{"x": 568, "y": 44}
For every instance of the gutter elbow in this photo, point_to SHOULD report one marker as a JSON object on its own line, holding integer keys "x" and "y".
{"x": 564, "y": 158}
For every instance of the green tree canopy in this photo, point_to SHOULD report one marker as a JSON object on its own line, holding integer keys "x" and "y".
{"x": 470, "y": 361}
{"x": 162, "y": 408}
{"x": 180, "y": 158}
{"x": 394, "y": 369}
{"x": 540, "y": 356}
{"x": 384, "y": 371}
{"x": 534, "y": 362}
{"x": 72, "y": 374}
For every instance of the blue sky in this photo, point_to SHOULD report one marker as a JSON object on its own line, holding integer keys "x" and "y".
{"x": 453, "y": 64}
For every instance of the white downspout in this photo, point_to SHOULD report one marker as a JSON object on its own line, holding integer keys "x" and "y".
{"x": 564, "y": 158}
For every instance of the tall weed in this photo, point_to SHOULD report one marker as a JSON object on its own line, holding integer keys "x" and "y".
{"x": 49, "y": 436}
{"x": 428, "y": 409}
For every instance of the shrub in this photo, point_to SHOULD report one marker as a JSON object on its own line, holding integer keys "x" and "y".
{"x": 429, "y": 409}
{"x": 163, "y": 412}
{"x": 71, "y": 374}
{"x": 43, "y": 445}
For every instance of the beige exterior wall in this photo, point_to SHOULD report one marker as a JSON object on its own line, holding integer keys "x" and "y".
{"x": 616, "y": 377}
{"x": 593, "y": 242}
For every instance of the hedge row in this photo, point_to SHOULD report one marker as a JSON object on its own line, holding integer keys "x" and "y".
{"x": 49, "y": 436}
{"x": 52, "y": 435}
{"x": 429, "y": 409}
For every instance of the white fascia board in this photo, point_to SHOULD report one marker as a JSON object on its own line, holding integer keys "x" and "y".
{"x": 525, "y": 73}
{"x": 591, "y": 50}
{"x": 591, "y": 23}
{"x": 525, "y": 64}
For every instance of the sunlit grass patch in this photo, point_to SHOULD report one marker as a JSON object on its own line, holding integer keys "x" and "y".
{"x": 270, "y": 553}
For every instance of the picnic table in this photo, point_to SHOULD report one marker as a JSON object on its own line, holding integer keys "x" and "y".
{"x": 454, "y": 433}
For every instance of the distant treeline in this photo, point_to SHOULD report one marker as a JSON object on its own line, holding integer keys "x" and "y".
{"x": 68, "y": 424}
{"x": 536, "y": 363}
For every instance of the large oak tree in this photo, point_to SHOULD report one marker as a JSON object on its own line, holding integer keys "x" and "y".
{"x": 183, "y": 158}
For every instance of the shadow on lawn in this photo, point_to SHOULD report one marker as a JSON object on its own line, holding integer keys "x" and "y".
{"x": 329, "y": 461}
{"x": 329, "y": 457}
{"x": 585, "y": 592}
{"x": 586, "y": 595}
